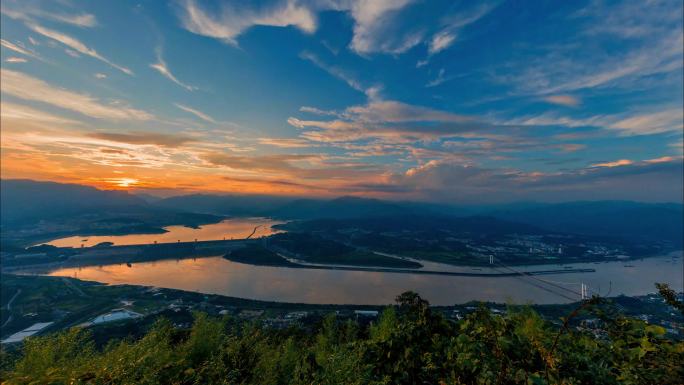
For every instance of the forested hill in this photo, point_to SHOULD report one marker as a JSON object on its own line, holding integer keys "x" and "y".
{"x": 410, "y": 344}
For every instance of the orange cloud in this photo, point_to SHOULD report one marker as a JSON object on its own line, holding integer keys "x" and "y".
{"x": 617, "y": 163}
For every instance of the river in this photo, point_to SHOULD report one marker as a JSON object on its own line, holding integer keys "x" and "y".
{"x": 234, "y": 228}
{"x": 215, "y": 275}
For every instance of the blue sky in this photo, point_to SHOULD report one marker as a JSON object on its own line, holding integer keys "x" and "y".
{"x": 432, "y": 100}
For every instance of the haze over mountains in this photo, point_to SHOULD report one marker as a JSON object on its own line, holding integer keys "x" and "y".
{"x": 25, "y": 202}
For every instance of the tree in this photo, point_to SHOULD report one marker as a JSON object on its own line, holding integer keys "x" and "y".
{"x": 670, "y": 296}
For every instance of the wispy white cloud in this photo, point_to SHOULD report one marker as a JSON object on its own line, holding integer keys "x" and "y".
{"x": 141, "y": 150}
{"x": 82, "y": 20}
{"x": 71, "y": 52}
{"x": 231, "y": 21}
{"x": 372, "y": 32}
{"x": 14, "y": 59}
{"x": 163, "y": 69}
{"x": 663, "y": 58}
{"x": 25, "y": 87}
{"x": 549, "y": 119}
{"x": 631, "y": 123}
{"x": 393, "y": 121}
{"x": 19, "y": 49}
{"x": 564, "y": 100}
{"x": 372, "y": 20}
{"x": 379, "y": 25}
{"x": 453, "y": 23}
{"x": 13, "y": 111}
{"x": 671, "y": 120}
{"x": 441, "y": 41}
{"x": 629, "y": 20}
{"x": 136, "y": 138}
{"x": 443, "y": 180}
{"x": 195, "y": 112}
{"x": 317, "y": 111}
{"x": 28, "y": 13}
{"x": 394, "y": 112}
{"x": 304, "y": 166}
{"x": 651, "y": 44}
{"x": 100, "y": 75}
{"x": 438, "y": 80}
{"x": 76, "y": 45}
{"x": 334, "y": 71}
{"x": 285, "y": 142}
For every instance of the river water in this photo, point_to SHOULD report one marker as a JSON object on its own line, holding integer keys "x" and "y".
{"x": 235, "y": 228}
{"x": 215, "y": 275}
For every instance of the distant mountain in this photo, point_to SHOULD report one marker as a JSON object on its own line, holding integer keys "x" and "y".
{"x": 343, "y": 207}
{"x": 26, "y": 200}
{"x": 230, "y": 205}
{"x": 414, "y": 222}
{"x": 148, "y": 198}
{"x": 284, "y": 207}
{"x": 36, "y": 211}
{"x": 648, "y": 221}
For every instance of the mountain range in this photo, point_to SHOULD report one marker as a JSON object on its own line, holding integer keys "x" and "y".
{"x": 27, "y": 201}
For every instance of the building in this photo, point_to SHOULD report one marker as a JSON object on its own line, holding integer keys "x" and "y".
{"x": 29, "y": 331}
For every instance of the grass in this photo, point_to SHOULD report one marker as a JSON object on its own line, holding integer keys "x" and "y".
{"x": 362, "y": 258}
{"x": 258, "y": 255}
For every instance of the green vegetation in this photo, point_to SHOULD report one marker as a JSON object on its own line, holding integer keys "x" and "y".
{"x": 64, "y": 301}
{"x": 469, "y": 241}
{"x": 670, "y": 297}
{"x": 410, "y": 344}
{"x": 315, "y": 249}
{"x": 256, "y": 254}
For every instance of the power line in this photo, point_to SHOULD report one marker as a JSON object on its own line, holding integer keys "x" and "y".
{"x": 521, "y": 275}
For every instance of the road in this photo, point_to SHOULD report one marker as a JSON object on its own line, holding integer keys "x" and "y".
{"x": 450, "y": 273}
{"x": 9, "y": 308}
{"x": 77, "y": 289}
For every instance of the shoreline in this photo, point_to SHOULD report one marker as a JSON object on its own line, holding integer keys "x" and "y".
{"x": 139, "y": 253}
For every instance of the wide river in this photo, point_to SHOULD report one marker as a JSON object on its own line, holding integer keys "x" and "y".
{"x": 234, "y": 228}
{"x": 216, "y": 275}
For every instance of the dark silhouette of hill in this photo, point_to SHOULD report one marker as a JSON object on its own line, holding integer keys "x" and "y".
{"x": 230, "y": 205}
{"x": 34, "y": 211}
{"x": 414, "y": 222}
{"x": 648, "y": 221}
{"x": 343, "y": 207}
{"x": 636, "y": 220}
{"x": 284, "y": 207}
{"x": 27, "y": 200}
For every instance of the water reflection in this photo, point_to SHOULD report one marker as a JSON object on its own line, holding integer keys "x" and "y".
{"x": 216, "y": 275}
{"x": 236, "y": 228}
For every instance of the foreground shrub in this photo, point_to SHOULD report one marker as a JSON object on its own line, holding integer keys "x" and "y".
{"x": 409, "y": 344}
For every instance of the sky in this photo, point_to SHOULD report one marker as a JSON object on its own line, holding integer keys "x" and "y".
{"x": 445, "y": 101}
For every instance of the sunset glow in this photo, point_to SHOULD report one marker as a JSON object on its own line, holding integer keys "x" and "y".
{"x": 289, "y": 191}
{"x": 123, "y": 182}
{"x": 360, "y": 101}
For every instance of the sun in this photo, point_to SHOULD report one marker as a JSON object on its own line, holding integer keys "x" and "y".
{"x": 123, "y": 182}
